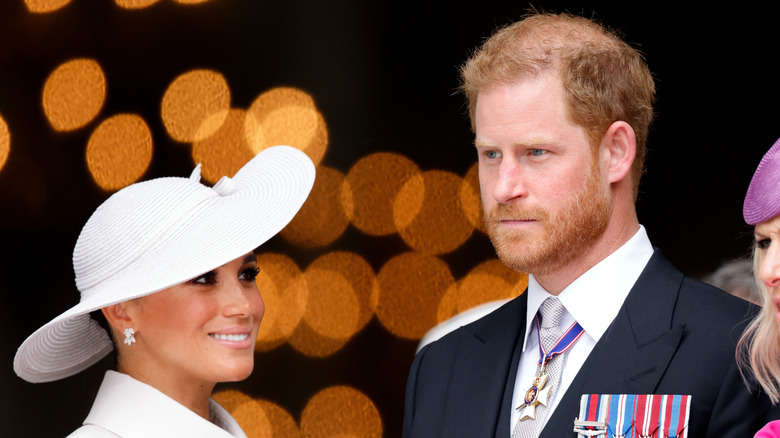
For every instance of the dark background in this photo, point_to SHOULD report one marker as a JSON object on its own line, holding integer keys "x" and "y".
{"x": 383, "y": 74}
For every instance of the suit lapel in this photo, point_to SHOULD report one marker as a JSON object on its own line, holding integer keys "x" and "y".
{"x": 636, "y": 349}
{"x": 481, "y": 376}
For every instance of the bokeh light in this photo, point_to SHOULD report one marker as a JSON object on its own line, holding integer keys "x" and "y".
{"x": 74, "y": 93}
{"x": 428, "y": 214}
{"x": 135, "y": 4}
{"x": 285, "y": 302}
{"x": 340, "y": 411}
{"x": 286, "y": 116}
{"x": 247, "y": 412}
{"x": 488, "y": 281}
{"x": 470, "y": 199}
{"x": 5, "y": 142}
{"x": 374, "y": 182}
{"x": 331, "y": 315}
{"x": 224, "y": 152}
{"x": 323, "y": 218}
{"x": 43, "y": 6}
{"x": 410, "y": 288}
{"x": 360, "y": 275}
{"x": 119, "y": 151}
{"x": 195, "y": 105}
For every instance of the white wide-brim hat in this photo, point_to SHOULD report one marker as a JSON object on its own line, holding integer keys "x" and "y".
{"x": 159, "y": 233}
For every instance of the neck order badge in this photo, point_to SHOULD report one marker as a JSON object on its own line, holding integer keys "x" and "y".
{"x": 538, "y": 393}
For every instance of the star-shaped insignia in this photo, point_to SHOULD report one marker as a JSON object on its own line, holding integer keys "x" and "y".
{"x": 535, "y": 395}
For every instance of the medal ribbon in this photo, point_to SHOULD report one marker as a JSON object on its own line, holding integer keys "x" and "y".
{"x": 561, "y": 345}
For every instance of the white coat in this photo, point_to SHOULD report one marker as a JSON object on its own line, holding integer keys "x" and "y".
{"x": 127, "y": 408}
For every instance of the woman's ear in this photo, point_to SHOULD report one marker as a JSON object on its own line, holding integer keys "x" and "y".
{"x": 117, "y": 316}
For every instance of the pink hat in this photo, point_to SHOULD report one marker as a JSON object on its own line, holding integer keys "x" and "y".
{"x": 762, "y": 201}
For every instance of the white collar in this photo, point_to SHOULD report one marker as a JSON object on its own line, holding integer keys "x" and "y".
{"x": 130, "y": 408}
{"x": 595, "y": 297}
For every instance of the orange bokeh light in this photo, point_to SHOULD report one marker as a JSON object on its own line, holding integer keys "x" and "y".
{"x": 322, "y": 219}
{"x": 340, "y": 411}
{"x": 470, "y": 200}
{"x": 410, "y": 287}
{"x": 195, "y": 105}
{"x": 489, "y": 281}
{"x": 374, "y": 182}
{"x": 331, "y": 316}
{"x": 360, "y": 275}
{"x": 135, "y": 4}
{"x": 74, "y": 94}
{"x": 283, "y": 288}
{"x": 248, "y": 413}
{"x": 224, "y": 152}
{"x": 119, "y": 151}
{"x": 286, "y": 116}
{"x": 5, "y": 142}
{"x": 428, "y": 214}
{"x": 43, "y": 6}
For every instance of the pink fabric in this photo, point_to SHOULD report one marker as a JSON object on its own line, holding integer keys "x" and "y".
{"x": 771, "y": 430}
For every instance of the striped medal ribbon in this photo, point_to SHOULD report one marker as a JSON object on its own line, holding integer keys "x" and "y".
{"x": 633, "y": 416}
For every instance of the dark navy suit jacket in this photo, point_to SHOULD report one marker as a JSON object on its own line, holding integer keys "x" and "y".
{"x": 673, "y": 335}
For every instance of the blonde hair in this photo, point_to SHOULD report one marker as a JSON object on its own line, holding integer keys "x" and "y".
{"x": 759, "y": 347}
{"x": 604, "y": 79}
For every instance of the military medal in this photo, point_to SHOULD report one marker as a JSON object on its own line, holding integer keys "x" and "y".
{"x": 633, "y": 415}
{"x": 539, "y": 392}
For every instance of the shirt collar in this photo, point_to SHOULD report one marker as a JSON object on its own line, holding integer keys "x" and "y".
{"x": 595, "y": 297}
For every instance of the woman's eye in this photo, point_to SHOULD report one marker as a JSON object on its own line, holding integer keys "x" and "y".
{"x": 537, "y": 152}
{"x": 250, "y": 274}
{"x": 208, "y": 278}
{"x": 763, "y": 243}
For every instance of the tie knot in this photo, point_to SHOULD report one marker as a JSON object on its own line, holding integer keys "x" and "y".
{"x": 551, "y": 311}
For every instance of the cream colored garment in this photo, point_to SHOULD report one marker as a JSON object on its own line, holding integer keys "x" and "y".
{"x": 127, "y": 408}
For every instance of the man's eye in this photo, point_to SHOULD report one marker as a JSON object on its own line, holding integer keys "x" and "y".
{"x": 491, "y": 154}
{"x": 537, "y": 152}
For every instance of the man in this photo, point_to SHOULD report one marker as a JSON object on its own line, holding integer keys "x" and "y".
{"x": 561, "y": 110}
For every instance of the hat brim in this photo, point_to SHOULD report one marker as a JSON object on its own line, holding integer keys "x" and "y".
{"x": 266, "y": 194}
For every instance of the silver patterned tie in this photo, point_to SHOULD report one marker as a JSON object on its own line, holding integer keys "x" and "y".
{"x": 549, "y": 333}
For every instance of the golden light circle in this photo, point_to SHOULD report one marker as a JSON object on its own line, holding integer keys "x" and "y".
{"x": 489, "y": 281}
{"x": 285, "y": 301}
{"x": 247, "y": 412}
{"x": 43, "y": 6}
{"x": 5, "y": 142}
{"x": 360, "y": 275}
{"x": 439, "y": 225}
{"x": 410, "y": 287}
{"x": 224, "y": 152}
{"x": 374, "y": 182}
{"x": 135, "y": 4}
{"x": 73, "y": 94}
{"x": 286, "y": 116}
{"x": 470, "y": 200}
{"x": 322, "y": 218}
{"x": 331, "y": 315}
{"x": 340, "y": 411}
{"x": 119, "y": 151}
{"x": 195, "y": 105}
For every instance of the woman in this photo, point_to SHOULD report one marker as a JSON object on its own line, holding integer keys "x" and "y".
{"x": 166, "y": 274}
{"x": 760, "y": 344}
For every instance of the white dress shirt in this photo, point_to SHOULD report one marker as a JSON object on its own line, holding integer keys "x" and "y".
{"x": 593, "y": 300}
{"x": 127, "y": 408}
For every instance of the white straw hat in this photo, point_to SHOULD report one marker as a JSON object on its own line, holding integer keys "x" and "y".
{"x": 159, "y": 233}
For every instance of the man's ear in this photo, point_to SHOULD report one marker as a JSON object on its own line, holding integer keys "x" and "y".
{"x": 619, "y": 143}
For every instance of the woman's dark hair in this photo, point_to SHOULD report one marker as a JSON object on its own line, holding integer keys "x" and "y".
{"x": 97, "y": 316}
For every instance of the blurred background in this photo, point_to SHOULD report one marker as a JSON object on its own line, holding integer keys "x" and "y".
{"x": 98, "y": 94}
